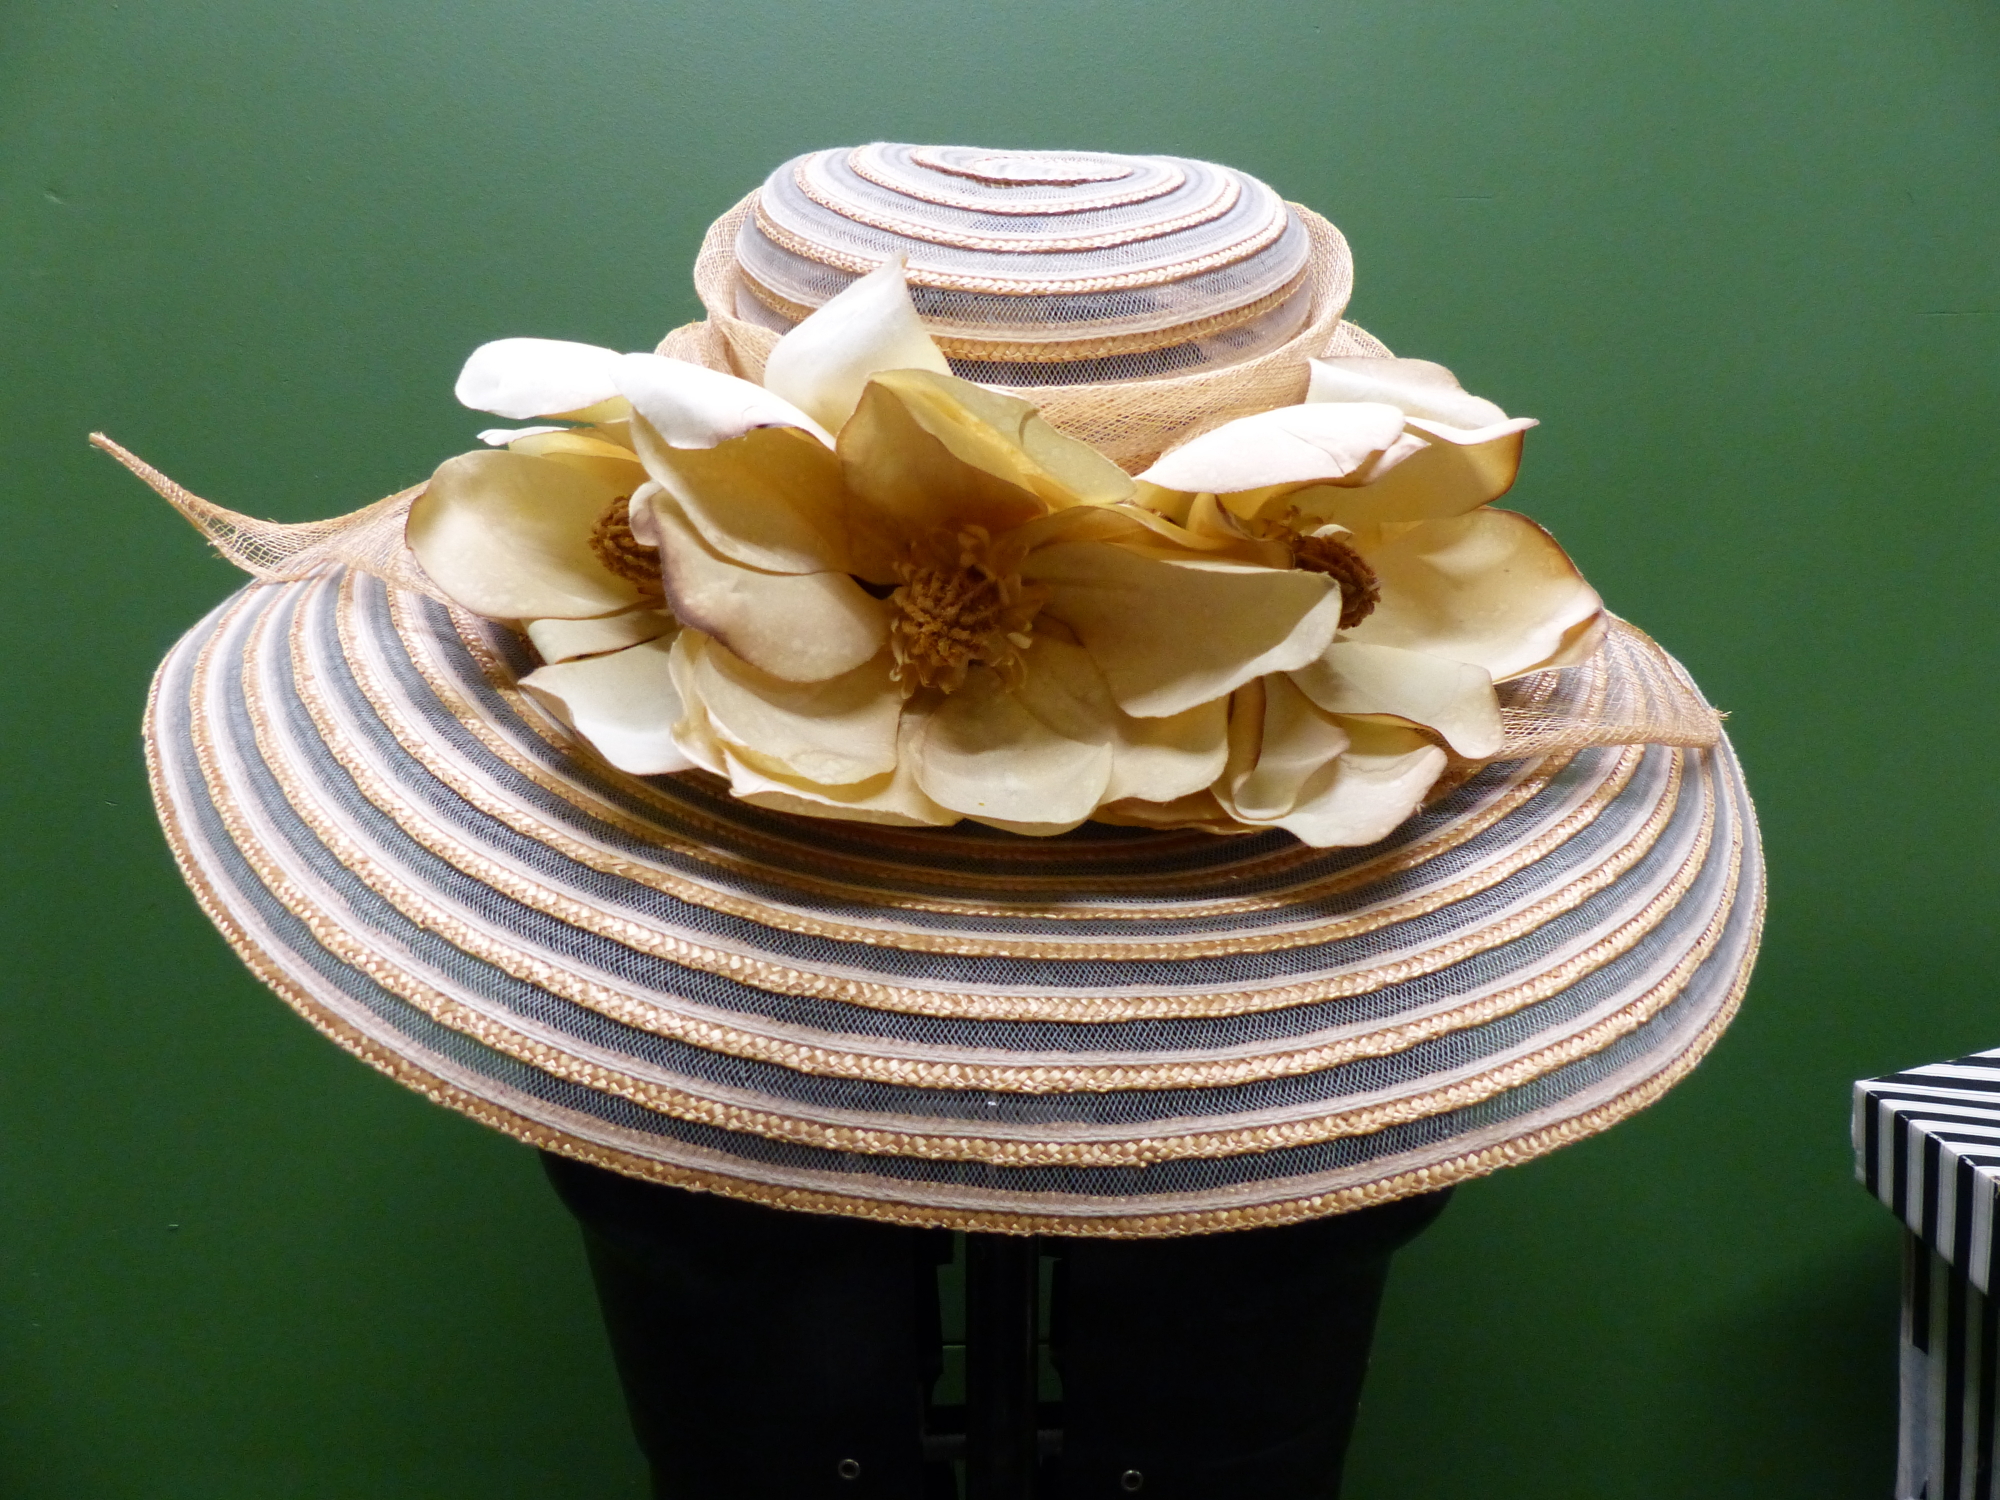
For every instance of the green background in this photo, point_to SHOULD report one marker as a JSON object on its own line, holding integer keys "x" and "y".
{"x": 1739, "y": 257}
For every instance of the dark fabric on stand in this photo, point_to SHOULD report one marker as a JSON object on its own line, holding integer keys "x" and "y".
{"x": 1221, "y": 1366}
{"x": 764, "y": 1353}
{"x": 769, "y": 1355}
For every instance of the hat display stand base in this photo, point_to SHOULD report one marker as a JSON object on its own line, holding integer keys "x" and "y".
{"x": 775, "y": 1354}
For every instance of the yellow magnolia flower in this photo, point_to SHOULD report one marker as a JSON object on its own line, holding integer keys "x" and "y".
{"x": 1381, "y": 480}
{"x": 949, "y": 610}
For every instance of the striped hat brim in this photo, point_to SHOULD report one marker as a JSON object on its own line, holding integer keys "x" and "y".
{"x": 1115, "y": 1032}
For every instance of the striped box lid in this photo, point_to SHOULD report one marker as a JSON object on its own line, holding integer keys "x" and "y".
{"x": 1927, "y": 1143}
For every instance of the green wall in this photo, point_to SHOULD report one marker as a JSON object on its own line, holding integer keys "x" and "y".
{"x": 1739, "y": 257}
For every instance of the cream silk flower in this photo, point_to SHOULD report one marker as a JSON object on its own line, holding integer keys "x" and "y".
{"x": 1382, "y": 480}
{"x": 950, "y": 610}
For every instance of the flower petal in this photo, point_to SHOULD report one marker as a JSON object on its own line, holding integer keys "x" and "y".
{"x": 1380, "y": 780}
{"x": 691, "y": 406}
{"x": 770, "y": 499}
{"x": 508, "y": 536}
{"x": 557, "y": 442}
{"x": 1196, "y": 810}
{"x": 624, "y": 704}
{"x": 1170, "y": 635}
{"x": 537, "y": 377}
{"x": 1452, "y": 697}
{"x": 894, "y": 799}
{"x": 803, "y": 627}
{"x": 1453, "y": 472}
{"x": 1282, "y": 750}
{"x": 822, "y": 365}
{"x": 565, "y": 640}
{"x": 1490, "y": 588}
{"x": 501, "y": 437}
{"x": 1416, "y": 387}
{"x": 835, "y": 732}
{"x": 982, "y": 752}
{"x": 1293, "y": 445}
{"x": 1163, "y": 760}
{"x": 925, "y": 451}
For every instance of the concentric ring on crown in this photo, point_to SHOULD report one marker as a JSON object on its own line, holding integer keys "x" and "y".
{"x": 1038, "y": 267}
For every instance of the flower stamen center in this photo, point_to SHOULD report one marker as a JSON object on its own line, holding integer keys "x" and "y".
{"x": 956, "y": 608}
{"x": 621, "y": 552}
{"x": 1360, "y": 589}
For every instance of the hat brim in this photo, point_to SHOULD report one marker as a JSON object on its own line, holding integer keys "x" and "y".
{"x": 1117, "y": 1032}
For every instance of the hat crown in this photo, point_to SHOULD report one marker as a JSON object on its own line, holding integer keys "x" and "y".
{"x": 1037, "y": 267}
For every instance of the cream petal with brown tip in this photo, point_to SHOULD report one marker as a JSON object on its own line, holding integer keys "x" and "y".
{"x": 565, "y": 640}
{"x": 1453, "y": 472}
{"x": 1490, "y": 588}
{"x": 1293, "y": 445}
{"x": 1454, "y": 698}
{"x": 1281, "y": 749}
{"x": 771, "y": 499}
{"x": 1379, "y": 780}
{"x": 802, "y": 627}
{"x": 691, "y": 406}
{"x": 983, "y": 753}
{"x": 894, "y": 799}
{"x": 822, "y": 365}
{"x": 838, "y": 731}
{"x": 1163, "y": 760}
{"x": 508, "y": 536}
{"x": 625, "y": 704}
{"x": 1170, "y": 635}
{"x": 585, "y": 442}
{"x": 520, "y": 378}
{"x": 1416, "y": 387}
{"x": 925, "y": 450}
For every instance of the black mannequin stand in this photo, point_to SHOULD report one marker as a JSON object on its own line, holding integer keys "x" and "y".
{"x": 769, "y": 1355}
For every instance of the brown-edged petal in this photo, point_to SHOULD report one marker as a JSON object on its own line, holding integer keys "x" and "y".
{"x": 508, "y": 536}
{"x": 1282, "y": 750}
{"x": 803, "y": 627}
{"x": 565, "y": 640}
{"x": 822, "y": 365}
{"x": 624, "y": 704}
{"x": 1293, "y": 445}
{"x": 1416, "y": 387}
{"x": 982, "y": 752}
{"x": 1455, "y": 471}
{"x": 1490, "y": 588}
{"x": 1454, "y": 698}
{"x": 771, "y": 499}
{"x": 1378, "y": 782}
{"x": 1170, "y": 635}
{"x": 835, "y": 732}
{"x": 894, "y": 799}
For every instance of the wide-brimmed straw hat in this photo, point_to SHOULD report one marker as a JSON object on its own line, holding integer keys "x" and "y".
{"x": 1113, "y": 1031}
